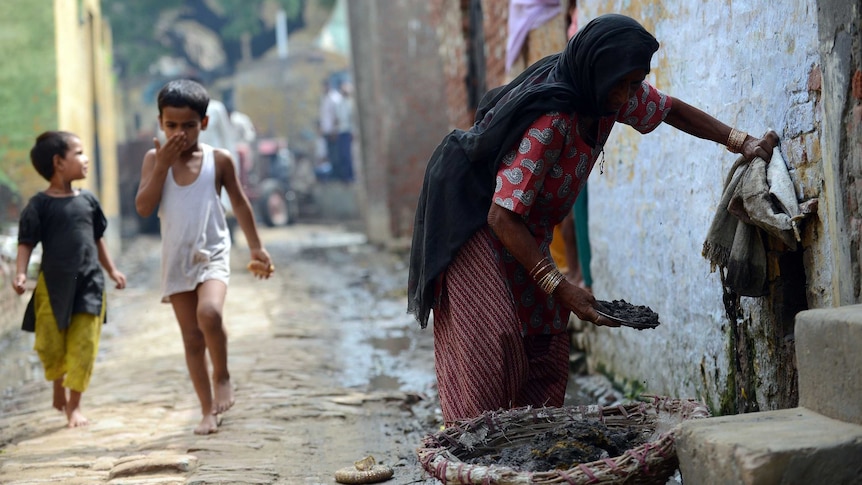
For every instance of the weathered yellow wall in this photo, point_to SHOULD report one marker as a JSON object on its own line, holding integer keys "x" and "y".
{"x": 74, "y": 78}
{"x": 85, "y": 95}
{"x": 55, "y": 76}
{"x": 58, "y": 79}
{"x": 28, "y": 95}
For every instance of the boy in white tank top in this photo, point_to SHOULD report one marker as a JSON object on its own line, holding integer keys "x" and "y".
{"x": 184, "y": 179}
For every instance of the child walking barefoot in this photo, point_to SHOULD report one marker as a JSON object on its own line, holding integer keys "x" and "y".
{"x": 184, "y": 179}
{"x": 67, "y": 308}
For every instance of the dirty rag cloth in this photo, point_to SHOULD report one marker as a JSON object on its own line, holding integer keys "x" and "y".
{"x": 784, "y": 192}
{"x": 524, "y": 16}
{"x": 754, "y": 203}
{"x": 735, "y": 242}
{"x": 733, "y": 246}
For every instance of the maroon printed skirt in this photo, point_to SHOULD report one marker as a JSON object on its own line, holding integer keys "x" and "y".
{"x": 482, "y": 359}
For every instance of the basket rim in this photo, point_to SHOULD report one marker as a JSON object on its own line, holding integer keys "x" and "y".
{"x": 656, "y": 457}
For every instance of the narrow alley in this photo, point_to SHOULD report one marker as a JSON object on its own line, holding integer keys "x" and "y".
{"x": 327, "y": 366}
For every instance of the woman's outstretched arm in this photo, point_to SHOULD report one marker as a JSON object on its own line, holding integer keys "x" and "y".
{"x": 695, "y": 122}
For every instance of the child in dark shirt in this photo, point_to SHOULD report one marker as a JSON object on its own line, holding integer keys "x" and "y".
{"x": 67, "y": 308}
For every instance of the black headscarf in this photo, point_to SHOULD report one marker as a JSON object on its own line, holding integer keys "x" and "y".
{"x": 460, "y": 176}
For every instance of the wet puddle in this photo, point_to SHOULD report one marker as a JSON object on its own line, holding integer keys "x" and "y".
{"x": 381, "y": 347}
{"x": 393, "y": 345}
{"x": 19, "y": 363}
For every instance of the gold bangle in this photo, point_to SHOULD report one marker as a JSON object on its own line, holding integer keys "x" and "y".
{"x": 545, "y": 280}
{"x": 548, "y": 273}
{"x": 537, "y": 265}
{"x": 549, "y": 282}
{"x": 535, "y": 272}
{"x": 735, "y": 140}
{"x": 553, "y": 284}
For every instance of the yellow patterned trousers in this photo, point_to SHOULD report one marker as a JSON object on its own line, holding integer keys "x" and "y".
{"x": 70, "y": 352}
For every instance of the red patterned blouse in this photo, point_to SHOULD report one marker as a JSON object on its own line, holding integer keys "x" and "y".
{"x": 540, "y": 179}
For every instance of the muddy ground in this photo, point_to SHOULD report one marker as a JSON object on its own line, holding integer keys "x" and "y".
{"x": 327, "y": 365}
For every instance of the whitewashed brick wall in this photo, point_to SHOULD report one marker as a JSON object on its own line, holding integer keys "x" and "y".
{"x": 747, "y": 63}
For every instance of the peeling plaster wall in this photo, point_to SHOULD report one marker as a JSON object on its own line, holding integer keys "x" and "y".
{"x": 411, "y": 66}
{"x": 650, "y": 211}
{"x": 841, "y": 51}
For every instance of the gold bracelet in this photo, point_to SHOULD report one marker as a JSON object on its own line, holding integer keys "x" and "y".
{"x": 545, "y": 279}
{"x": 553, "y": 284}
{"x": 536, "y": 271}
{"x": 549, "y": 272}
{"x": 537, "y": 265}
{"x": 735, "y": 140}
{"x": 549, "y": 282}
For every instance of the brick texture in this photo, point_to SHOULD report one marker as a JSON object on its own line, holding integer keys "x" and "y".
{"x": 405, "y": 112}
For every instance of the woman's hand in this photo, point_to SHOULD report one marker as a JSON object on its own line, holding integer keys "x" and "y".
{"x": 517, "y": 238}
{"x": 582, "y": 303}
{"x": 760, "y": 147}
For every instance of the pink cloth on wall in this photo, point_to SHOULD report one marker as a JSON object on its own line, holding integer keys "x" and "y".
{"x": 573, "y": 23}
{"x": 524, "y": 16}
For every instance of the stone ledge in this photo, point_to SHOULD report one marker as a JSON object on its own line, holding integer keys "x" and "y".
{"x": 147, "y": 465}
{"x": 786, "y": 447}
{"x": 828, "y": 358}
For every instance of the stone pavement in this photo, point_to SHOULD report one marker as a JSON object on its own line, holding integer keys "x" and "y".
{"x": 312, "y": 395}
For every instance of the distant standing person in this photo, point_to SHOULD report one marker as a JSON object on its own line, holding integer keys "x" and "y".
{"x": 184, "y": 179}
{"x": 221, "y": 133}
{"x": 246, "y": 135}
{"x": 67, "y": 308}
{"x": 344, "y": 110}
{"x": 329, "y": 102}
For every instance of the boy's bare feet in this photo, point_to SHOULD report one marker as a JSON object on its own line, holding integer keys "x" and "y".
{"x": 75, "y": 417}
{"x": 59, "y": 395}
{"x": 208, "y": 425}
{"x": 223, "y": 396}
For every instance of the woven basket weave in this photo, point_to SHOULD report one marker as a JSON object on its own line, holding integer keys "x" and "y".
{"x": 651, "y": 463}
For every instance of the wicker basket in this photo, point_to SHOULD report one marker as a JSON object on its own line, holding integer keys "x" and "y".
{"x": 653, "y": 462}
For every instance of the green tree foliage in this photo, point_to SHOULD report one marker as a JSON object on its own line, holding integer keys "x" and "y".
{"x": 246, "y": 19}
{"x": 133, "y": 23}
{"x": 140, "y": 27}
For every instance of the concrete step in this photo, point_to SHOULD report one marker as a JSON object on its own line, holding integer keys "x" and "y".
{"x": 818, "y": 442}
{"x": 829, "y": 361}
{"x": 787, "y": 447}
